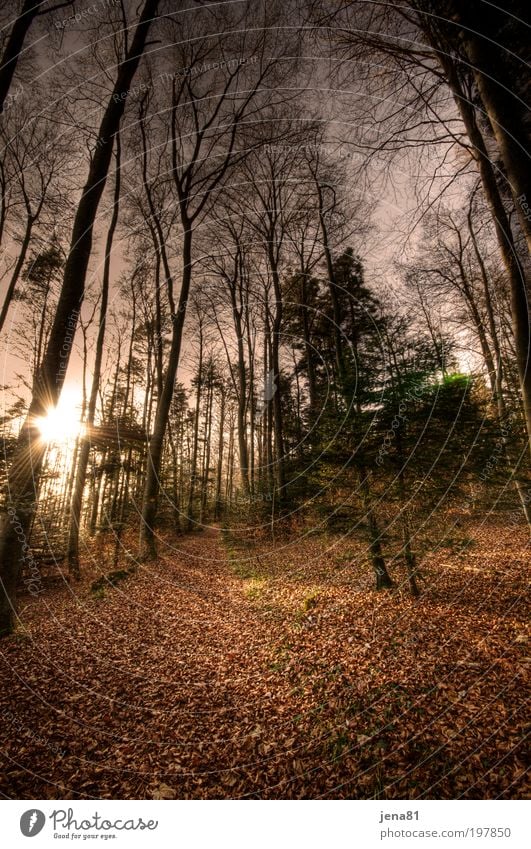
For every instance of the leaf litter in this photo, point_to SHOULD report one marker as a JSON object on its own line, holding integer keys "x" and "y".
{"x": 291, "y": 678}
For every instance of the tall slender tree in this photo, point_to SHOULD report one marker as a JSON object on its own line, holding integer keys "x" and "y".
{"x": 26, "y": 465}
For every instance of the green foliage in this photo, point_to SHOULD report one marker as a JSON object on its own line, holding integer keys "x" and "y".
{"x": 403, "y": 416}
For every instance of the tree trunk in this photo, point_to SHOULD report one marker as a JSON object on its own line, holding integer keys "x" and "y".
{"x": 409, "y": 555}
{"x": 221, "y": 442}
{"x": 332, "y": 286}
{"x": 250, "y": 399}
{"x": 310, "y": 364}
{"x": 195, "y": 439}
{"x": 506, "y": 115}
{"x": 17, "y": 270}
{"x": 242, "y": 393}
{"x": 275, "y": 368}
{"x": 174, "y": 478}
{"x": 383, "y": 579}
{"x": 515, "y": 271}
{"x": 497, "y": 381}
{"x": 208, "y": 436}
{"x": 14, "y": 46}
{"x": 151, "y": 489}
{"x": 230, "y": 465}
{"x": 268, "y": 410}
{"x": 81, "y": 473}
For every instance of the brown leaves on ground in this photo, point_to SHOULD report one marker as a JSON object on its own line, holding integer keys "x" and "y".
{"x": 226, "y": 670}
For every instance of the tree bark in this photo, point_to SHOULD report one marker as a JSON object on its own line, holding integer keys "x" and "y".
{"x": 17, "y": 270}
{"x": 275, "y": 368}
{"x": 515, "y": 271}
{"x": 14, "y": 46}
{"x": 242, "y": 386}
{"x": 221, "y": 444}
{"x": 156, "y": 444}
{"x": 383, "y": 579}
{"x": 208, "y": 436}
{"x": 504, "y": 113}
{"x": 497, "y": 380}
{"x": 310, "y": 364}
{"x": 195, "y": 437}
{"x": 84, "y": 453}
{"x": 332, "y": 286}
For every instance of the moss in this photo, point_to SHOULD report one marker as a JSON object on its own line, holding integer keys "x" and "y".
{"x": 255, "y": 588}
{"x": 310, "y": 601}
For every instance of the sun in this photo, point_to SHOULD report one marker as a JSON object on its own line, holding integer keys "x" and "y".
{"x": 61, "y": 424}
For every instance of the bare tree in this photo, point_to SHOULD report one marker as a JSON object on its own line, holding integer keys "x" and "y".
{"x": 208, "y": 139}
{"x": 13, "y": 49}
{"x": 35, "y": 158}
{"x": 27, "y": 462}
{"x": 82, "y": 461}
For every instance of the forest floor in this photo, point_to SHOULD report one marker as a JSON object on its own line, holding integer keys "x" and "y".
{"x": 228, "y": 669}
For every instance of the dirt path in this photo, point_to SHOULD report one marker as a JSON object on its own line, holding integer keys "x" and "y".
{"x": 199, "y": 677}
{"x": 162, "y": 682}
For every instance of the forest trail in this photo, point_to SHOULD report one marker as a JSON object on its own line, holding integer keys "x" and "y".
{"x": 215, "y": 672}
{"x": 156, "y": 689}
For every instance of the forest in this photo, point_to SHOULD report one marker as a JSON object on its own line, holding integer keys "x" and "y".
{"x": 265, "y": 486}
